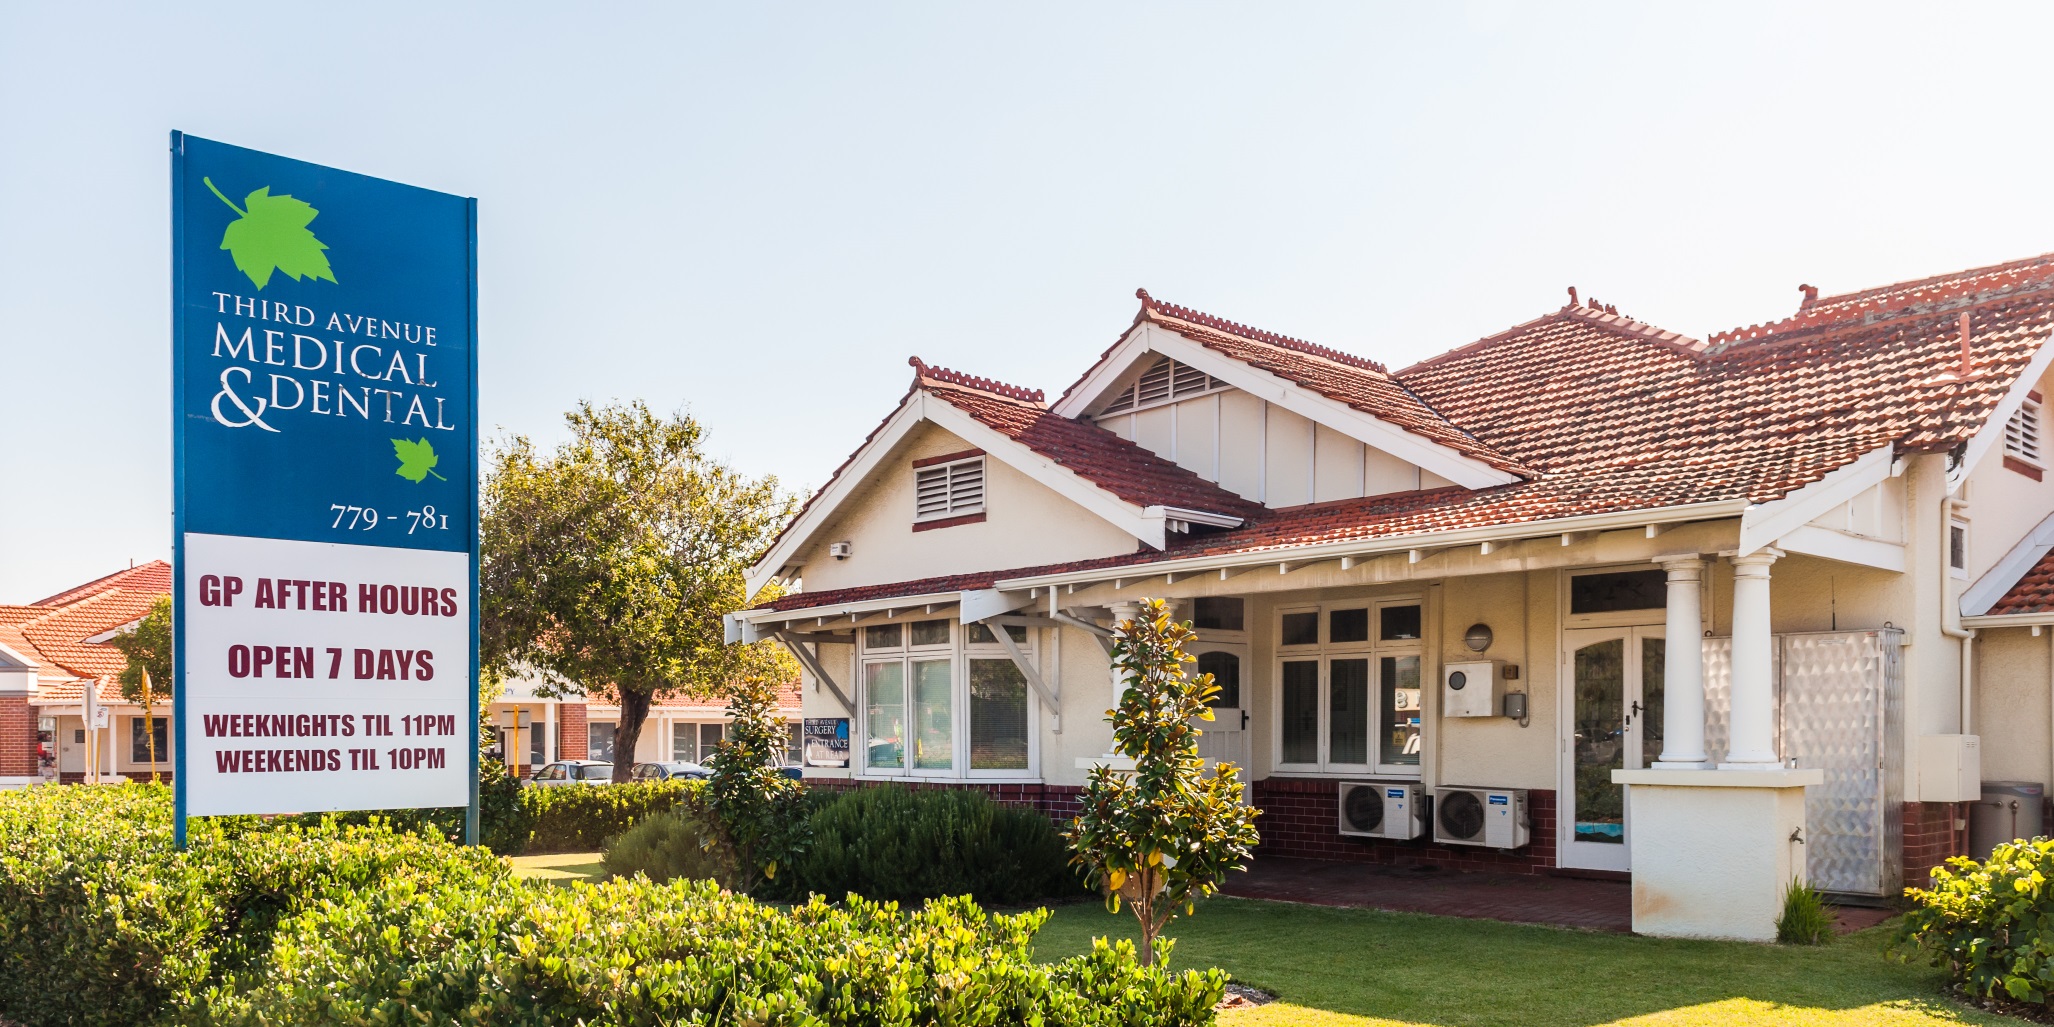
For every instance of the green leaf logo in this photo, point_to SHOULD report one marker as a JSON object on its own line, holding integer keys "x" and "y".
{"x": 416, "y": 460}
{"x": 272, "y": 235}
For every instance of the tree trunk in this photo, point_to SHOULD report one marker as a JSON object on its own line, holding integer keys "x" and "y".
{"x": 634, "y": 712}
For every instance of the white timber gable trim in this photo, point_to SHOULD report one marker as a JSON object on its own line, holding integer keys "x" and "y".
{"x": 17, "y": 673}
{"x": 1143, "y": 339}
{"x": 1977, "y": 599}
{"x": 1785, "y": 523}
{"x": 1991, "y": 434}
{"x": 1148, "y": 524}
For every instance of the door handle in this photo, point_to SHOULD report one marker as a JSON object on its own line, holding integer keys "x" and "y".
{"x": 1244, "y": 720}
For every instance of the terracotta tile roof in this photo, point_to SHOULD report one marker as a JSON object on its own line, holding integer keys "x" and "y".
{"x": 789, "y": 701}
{"x": 61, "y": 635}
{"x": 1359, "y": 383}
{"x": 1609, "y": 414}
{"x": 154, "y": 576}
{"x": 1112, "y": 463}
{"x": 2032, "y": 593}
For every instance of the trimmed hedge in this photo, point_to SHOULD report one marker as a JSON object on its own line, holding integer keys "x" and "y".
{"x": 669, "y": 846}
{"x": 102, "y": 924}
{"x": 628, "y": 952}
{"x": 578, "y": 818}
{"x": 891, "y": 843}
{"x": 1991, "y": 924}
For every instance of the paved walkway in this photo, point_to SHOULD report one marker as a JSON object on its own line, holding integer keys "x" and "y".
{"x": 1520, "y": 898}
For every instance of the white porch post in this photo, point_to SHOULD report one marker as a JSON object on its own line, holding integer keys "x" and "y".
{"x": 549, "y": 731}
{"x": 1752, "y": 734}
{"x": 1683, "y": 670}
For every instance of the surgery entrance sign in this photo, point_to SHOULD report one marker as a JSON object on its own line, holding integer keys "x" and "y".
{"x": 324, "y": 395}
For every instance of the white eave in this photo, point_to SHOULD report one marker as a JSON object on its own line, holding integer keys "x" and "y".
{"x": 1147, "y": 337}
{"x": 1977, "y": 599}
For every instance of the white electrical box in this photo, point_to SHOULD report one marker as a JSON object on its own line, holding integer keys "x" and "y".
{"x": 1950, "y": 768}
{"x": 1469, "y": 689}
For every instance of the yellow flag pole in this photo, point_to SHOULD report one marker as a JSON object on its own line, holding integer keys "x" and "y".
{"x": 150, "y": 726}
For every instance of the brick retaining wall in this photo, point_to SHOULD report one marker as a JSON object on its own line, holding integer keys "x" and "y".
{"x": 1929, "y": 838}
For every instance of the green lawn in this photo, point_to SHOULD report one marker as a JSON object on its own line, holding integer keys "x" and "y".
{"x": 1363, "y": 968}
{"x": 560, "y": 867}
{"x": 1357, "y": 968}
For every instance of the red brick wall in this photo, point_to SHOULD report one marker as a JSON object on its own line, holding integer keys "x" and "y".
{"x": 17, "y": 737}
{"x": 1929, "y": 838}
{"x": 573, "y": 741}
{"x": 1299, "y": 819}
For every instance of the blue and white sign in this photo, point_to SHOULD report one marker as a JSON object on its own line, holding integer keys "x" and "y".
{"x": 325, "y": 441}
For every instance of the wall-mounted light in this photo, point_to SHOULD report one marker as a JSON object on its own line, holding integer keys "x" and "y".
{"x": 1478, "y": 637}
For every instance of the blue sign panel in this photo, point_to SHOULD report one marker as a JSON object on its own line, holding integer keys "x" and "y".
{"x": 325, "y": 350}
{"x": 325, "y": 440}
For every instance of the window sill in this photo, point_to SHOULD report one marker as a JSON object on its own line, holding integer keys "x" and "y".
{"x": 1347, "y": 775}
{"x": 948, "y": 522}
{"x": 1013, "y": 779}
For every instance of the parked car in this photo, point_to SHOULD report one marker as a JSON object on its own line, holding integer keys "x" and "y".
{"x": 571, "y": 772}
{"x": 675, "y": 768}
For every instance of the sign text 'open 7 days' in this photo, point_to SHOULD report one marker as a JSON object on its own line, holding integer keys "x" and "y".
{"x": 325, "y": 440}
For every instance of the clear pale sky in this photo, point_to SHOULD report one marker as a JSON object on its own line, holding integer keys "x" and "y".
{"x": 757, "y": 212}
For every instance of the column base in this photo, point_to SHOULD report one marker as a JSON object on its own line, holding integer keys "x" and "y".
{"x": 1752, "y": 765}
{"x": 1696, "y": 764}
{"x": 1712, "y": 849}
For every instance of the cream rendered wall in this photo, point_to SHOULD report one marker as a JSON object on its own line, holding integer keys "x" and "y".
{"x": 1197, "y": 435}
{"x": 1154, "y": 430}
{"x": 1019, "y": 511}
{"x": 1287, "y": 459}
{"x": 2013, "y": 686}
{"x": 1241, "y": 444}
{"x": 1521, "y": 612}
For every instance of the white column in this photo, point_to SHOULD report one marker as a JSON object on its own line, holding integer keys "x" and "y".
{"x": 549, "y": 731}
{"x": 1752, "y": 735}
{"x": 1683, "y": 670}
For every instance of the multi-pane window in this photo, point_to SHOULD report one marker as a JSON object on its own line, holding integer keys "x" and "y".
{"x": 2022, "y": 433}
{"x": 1164, "y": 380}
{"x": 944, "y": 700}
{"x": 599, "y": 740}
{"x": 1349, "y": 687}
{"x": 694, "y": 743}
{"x": 953, "y": 489}
{"x": 139, "y": 743}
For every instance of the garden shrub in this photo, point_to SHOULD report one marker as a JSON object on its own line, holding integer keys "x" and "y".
{"x": 580, "y": 818}
{"x": 1990, "y": 924}
{"x": 667, "y": 846}
{"x": 1805, "y": 919}
{"x": 505, "y": 815}
{"x": 629, "y": 952}
{"x": 101, "y": 922}
{"x": 899, "y": 844}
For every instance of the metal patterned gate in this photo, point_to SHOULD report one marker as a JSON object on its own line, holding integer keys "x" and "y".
{"x": 1840, "y": 707}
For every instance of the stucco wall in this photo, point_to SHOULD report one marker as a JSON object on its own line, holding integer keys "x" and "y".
{"x": 1495, "y": 751}
{"x": 2011, "y": 701}
{"x": 878, "y": 521}
{"x": 2004, "y": 504}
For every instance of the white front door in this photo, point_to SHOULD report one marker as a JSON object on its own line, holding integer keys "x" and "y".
{"x": 1612, "y": 720}
{"x": 1224, "y": 739}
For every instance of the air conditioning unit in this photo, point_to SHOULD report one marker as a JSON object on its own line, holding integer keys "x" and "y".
{"x": 1491, "y": 817}
{"x": 1373, "y": 810}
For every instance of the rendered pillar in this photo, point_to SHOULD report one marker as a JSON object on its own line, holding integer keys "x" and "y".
{"x": 1752, "y": 731}
{"x": 1683, "y": 672}
{"x": 1713, "y": 850}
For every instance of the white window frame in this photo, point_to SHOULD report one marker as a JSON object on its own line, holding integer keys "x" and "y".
{"x": 1616, "y": 618}
{"x": 1958, "y": 570}
{"x": 2024, "y": 433}
{"x": 949, "y": 474}
{"x": 958, "y": 652}
{"x": 1323, "y": 652}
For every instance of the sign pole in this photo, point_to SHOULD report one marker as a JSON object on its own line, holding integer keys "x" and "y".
{"x": 471, "y": 816}
{"x": 178, "y": 761}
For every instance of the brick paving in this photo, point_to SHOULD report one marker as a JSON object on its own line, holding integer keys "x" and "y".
{"x": 1599, "y": 905}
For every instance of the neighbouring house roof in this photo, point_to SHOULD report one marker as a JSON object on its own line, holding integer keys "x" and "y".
{"x": 53, "y": 631}
{"x": 2031, "y": 593}
{"x": 1597, "y": 413}
{"x": 790, "y": 702}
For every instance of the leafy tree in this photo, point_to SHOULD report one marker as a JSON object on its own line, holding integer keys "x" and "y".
{"x": 761, "y": 812}
{"x": 1164, "y": 835}
{"x": 148, "y": 649}
{"x": 607, "y": 564}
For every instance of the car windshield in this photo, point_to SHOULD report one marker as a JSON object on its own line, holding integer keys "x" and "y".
{"x": 601, "y": 772}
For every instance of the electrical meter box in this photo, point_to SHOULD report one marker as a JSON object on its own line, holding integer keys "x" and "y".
{"x": 1469, "y": 689}
{"x": 1950, "y": 768}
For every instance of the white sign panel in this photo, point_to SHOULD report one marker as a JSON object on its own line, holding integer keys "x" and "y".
{"x": 319, "y": 675}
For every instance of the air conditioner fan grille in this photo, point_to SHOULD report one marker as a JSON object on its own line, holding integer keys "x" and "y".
{"x": 1363, "y": 808}
{"x": 1461, "y": 814}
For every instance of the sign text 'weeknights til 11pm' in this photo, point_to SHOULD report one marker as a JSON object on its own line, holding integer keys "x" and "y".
{"x": 324, "y": 398}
